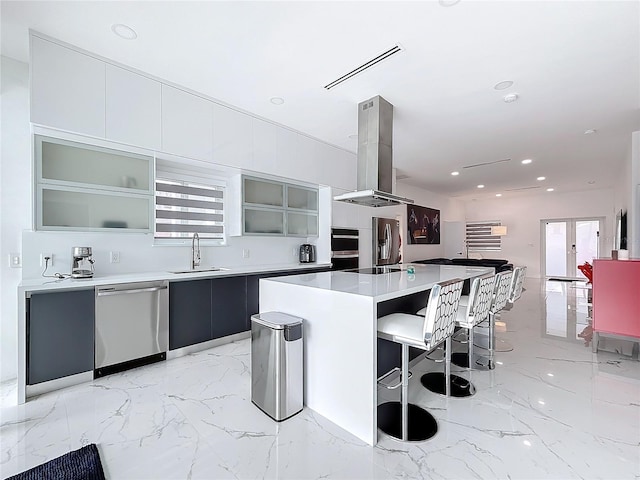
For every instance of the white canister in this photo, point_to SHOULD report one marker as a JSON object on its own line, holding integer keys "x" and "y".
{"x": 623, "y": 254}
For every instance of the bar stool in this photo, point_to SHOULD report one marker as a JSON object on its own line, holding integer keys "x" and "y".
{"x": 515, "y": 291}
{"x": 403, "y": 420}
{"x": 499, "y": 300}
{"x": 476, "y": 311}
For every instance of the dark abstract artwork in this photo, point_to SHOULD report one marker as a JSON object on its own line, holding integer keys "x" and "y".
{"x": 423, "y": 225}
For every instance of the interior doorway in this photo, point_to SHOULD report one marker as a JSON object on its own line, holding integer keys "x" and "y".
{"x": 567, "y": 243}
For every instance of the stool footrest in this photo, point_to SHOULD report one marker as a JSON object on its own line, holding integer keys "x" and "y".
{"x": 392, "y": 379}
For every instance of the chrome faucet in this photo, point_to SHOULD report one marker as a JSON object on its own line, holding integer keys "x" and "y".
{"x": 195, "y": 252}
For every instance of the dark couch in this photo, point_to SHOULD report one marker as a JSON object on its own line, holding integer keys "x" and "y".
{"x": 499, "y": 265}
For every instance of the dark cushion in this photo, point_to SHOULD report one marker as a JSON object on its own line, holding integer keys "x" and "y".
{"x": 434, "y": 261}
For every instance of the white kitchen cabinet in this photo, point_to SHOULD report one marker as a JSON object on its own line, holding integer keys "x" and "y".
{"x": 275, "y": 208}
{"x": 287, "y": 153}
{"x": 264, "y": 145}
{"x": 232, "y": 142}
{"x": 67, "y": 89}
{"x": 187, "y": 124}
{"x": 133, "y": 108}
{"x": 87, "y": 188}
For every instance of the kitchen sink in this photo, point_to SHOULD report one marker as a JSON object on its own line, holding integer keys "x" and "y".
{"x": 198, "y": 270}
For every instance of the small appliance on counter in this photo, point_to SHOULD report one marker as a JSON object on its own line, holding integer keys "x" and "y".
{"x": 82, "y": 262}
{"x": 307, "y": 253}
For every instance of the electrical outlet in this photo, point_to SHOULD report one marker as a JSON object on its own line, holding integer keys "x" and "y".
{"x": 114, "y": 257}
{"x": 246, "y": 253}
{"x": 295, "y": 251}
{"x": 15, "y": 260}
{"x": 42, "y": 257}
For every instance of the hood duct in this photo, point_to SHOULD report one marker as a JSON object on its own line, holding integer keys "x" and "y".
{"x": 375, "y": 149}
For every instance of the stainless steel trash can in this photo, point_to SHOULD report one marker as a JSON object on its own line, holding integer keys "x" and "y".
{"x": 276, "y": 364}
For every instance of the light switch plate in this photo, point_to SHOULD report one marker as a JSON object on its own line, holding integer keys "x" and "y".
{"x": 114, "y": 257}
{"x": 246, "y": 253}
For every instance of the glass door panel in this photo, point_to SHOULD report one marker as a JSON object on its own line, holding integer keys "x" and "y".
{"x": 556, "y": 249}
{"x": 586, "y": 245}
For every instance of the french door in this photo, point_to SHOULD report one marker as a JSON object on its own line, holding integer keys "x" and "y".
{"x": 569, "y": 242}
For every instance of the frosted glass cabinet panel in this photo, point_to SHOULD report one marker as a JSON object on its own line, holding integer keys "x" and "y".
{"x": 263, "y": 222}
{"x": 76, "y": 163}
{"x": 302, "y": 198}
{"x": 302, "y": 224}
{"x": 263, "y": 192}
{"x": 87, "y": 210}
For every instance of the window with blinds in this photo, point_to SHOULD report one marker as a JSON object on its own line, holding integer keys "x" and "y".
{"x": 481, "y": 238}
{"x": 184, "y": 208}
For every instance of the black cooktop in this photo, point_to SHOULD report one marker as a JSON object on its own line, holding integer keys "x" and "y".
{"x": 376, "y": 270}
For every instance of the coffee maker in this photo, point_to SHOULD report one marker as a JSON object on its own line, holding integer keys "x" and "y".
{"x": 82, "y": 262}
{"x": 307, "y": 253}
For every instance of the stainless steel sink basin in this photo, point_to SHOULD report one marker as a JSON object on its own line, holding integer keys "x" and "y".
{"x": 198, "y": 270}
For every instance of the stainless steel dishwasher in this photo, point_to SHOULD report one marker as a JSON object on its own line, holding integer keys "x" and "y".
{"x": 132, "y": 325}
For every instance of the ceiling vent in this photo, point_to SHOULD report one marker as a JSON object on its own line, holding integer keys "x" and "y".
{"x": 383, "y": 56}
{"x": 487, "y": 163}
{"x": 519, "y": 189}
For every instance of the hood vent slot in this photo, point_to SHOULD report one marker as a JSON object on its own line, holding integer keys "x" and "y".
{"x": 383, "y": 56}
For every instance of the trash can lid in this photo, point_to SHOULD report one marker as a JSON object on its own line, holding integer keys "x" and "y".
{"x": 276, "y": 320}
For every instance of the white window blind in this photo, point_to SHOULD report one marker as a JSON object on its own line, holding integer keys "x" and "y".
{"x": 184, "y": 207}
{"x": 479, "y": 237}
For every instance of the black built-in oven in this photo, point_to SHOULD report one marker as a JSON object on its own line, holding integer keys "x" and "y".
{"x": 344, "y": 248}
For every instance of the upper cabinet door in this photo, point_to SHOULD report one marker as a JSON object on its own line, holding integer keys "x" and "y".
{"x": 133, "y": 109}
{"x": 67, "y": 89}
{"x": 187, "y": 124}
{"x": 232, "y": 138}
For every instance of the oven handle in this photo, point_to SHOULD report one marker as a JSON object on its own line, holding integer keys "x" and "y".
{"x": 106, "y": 293}
{"x": 345, "y": 254}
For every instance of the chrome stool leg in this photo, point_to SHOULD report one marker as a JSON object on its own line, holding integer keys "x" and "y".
{"x": 403, "y": 420}
{"x": 447, "y": 383}
{"x": 473, "y": 360}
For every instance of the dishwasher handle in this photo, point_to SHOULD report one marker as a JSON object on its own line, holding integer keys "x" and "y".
{"x": 106, "y": 293}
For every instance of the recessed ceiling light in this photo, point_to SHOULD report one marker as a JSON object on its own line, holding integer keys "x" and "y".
{"x": 590, "y": 131}
{"x": 526, "y": 161}
{"x": 591, "y": 182}
{"x": 480, "y": 186}
{"x": 541, "y": 178}
{"x": 276, "y": 100}
{"x": 455, "y": 173}
{"x": 498, "y": 194}
{"x": 550, "y": 189}
{"x": 510, "y": 97}
{"x": 124, "y": 31}
{"x": 503, "y": 85}
{"x": 448, "y": 3}
{"x": 353, "y": 136}
{"x": 527, "y": 443}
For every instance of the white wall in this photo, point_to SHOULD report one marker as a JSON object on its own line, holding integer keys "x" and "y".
{"x": 15, "y": 199}
{"x": 354, "y": 216}
{"x": 634, "y": 200}
{"x": 522, "y": 216}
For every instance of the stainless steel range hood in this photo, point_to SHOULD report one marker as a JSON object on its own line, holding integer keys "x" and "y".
{"x": 375, "y": 166}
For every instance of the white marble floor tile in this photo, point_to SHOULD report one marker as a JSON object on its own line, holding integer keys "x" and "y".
{"x": 551, "y": 409}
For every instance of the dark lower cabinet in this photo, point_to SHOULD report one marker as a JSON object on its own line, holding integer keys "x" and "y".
{"x": 229, "y": 306}
{"x": 189, "y": 313}
{"x": 60, "y": 334}
{"x": 201, "y": 310}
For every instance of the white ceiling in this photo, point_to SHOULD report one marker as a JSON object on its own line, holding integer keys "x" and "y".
{"x": 576, "y": 66}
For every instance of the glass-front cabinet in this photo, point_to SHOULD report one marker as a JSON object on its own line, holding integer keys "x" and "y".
{"x": 89, "y": 188}
{"x": 275, "y": 208}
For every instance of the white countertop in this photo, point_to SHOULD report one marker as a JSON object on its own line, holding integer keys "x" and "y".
{"x": 41, "y": 284}
{"x": 385, "y": 286}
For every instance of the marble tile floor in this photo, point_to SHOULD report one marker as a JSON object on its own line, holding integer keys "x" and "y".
{"x": 551, "y": 409}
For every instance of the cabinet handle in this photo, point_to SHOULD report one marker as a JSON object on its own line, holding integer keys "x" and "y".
{"x": 106, "y": 293}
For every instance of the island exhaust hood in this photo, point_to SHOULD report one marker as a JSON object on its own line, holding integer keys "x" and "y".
{"x": 375, "y": 139}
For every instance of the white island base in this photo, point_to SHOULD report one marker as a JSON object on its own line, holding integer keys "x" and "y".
{"x": 340, "y": 334}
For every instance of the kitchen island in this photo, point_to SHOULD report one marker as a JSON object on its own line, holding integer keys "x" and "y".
{"x": 340, "y": 310}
